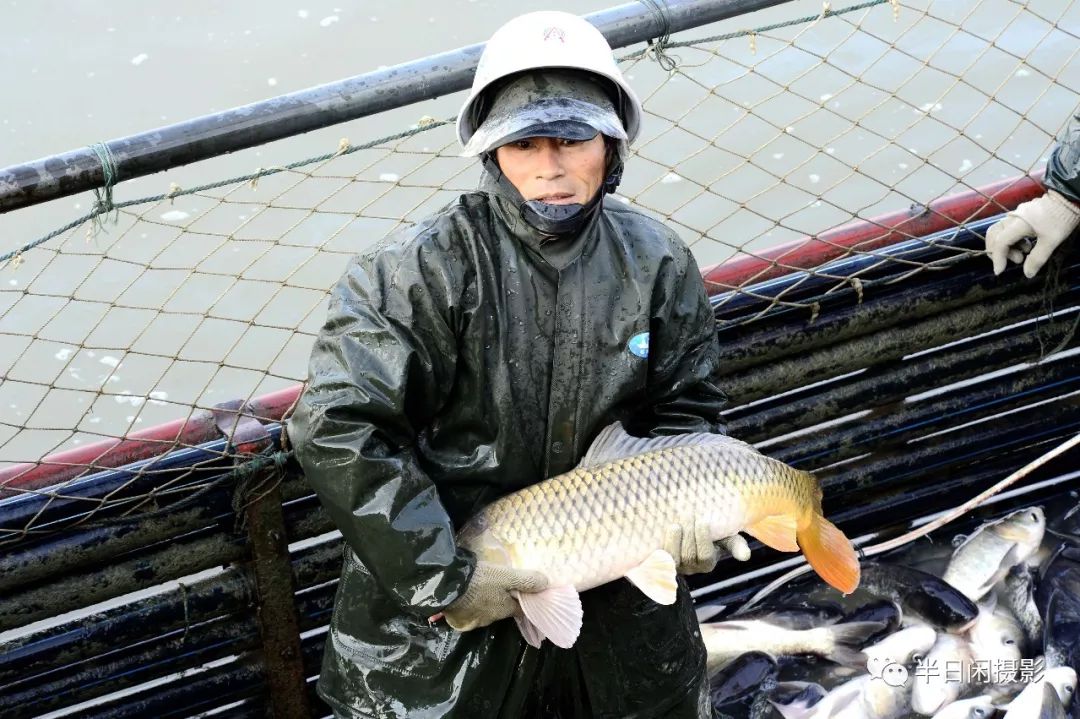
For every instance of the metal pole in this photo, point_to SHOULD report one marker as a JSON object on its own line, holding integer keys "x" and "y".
{"x": 261, "y": 122}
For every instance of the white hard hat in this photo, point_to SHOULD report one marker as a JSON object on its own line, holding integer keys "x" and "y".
{"x": 544, "y": 39}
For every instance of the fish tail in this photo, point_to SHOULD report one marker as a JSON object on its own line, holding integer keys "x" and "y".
{"x": 848, "y": 637}
{"x": 830, "y": 553}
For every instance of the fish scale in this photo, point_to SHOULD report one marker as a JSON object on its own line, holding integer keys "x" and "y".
{"x": 611, "y": 517}
{"x": 555, "y": 525}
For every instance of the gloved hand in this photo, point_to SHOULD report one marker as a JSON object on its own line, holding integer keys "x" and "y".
{"x": 1050, "y": 218}
{"x": 487, "y": 597}
{"x": 695, "y": 553}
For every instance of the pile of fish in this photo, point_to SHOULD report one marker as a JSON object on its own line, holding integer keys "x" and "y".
{"x": 996, "y": 633}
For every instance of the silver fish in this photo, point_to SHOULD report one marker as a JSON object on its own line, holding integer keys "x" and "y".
{"x": 901, "y": 647}
{"x": 1033, "y": 701}
{"x": 1017, "y": 592}
{"x": 996, "y": 636}
{"x": 726, "y": 641}
{"x": 985, "y": 557}
{"x": 980, "y": 707}
{"x": 944, "y": 679}
{"x": 864, "y": 697}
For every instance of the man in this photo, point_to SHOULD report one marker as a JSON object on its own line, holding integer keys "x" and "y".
{"x": 1050, "y": 219}
{"x": 480, "y": 352}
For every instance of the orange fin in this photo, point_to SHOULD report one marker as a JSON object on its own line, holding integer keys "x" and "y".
{"x": 776, "y": 531}
{"x": 830, "y": 554}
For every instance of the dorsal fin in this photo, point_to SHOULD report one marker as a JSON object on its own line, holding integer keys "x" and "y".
{"x": 613, "y": 443}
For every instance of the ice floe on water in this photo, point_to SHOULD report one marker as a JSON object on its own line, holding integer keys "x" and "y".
{"x": 670, "y": 179}
{"x": 965, "y": 166}
{"x": 271, "y": 81}
{"x": 389, "y": 177}
{"x": 139, "y": 59}
{"x": 109, "y": 361}
{"x": 174, "y": 215}
{"x": 302, "y": 14}
{"x": 329, "y": 20}
{"x": 64, "y": 354}
{"x": 127, "y": 398}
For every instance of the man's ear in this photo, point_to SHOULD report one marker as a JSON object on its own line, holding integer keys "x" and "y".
{"x": 613, "y": 167}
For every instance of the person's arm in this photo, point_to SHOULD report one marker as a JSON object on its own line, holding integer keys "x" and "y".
{"x": 683, "y": 394}
{"x": 1050, "y": 219}
{"x": 1063, "y": 167}
{"x": 380, "y": 368}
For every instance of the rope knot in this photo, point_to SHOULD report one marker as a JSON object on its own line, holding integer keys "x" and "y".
{"x": 658, "y": 45}
{"x": 103, "y": 196}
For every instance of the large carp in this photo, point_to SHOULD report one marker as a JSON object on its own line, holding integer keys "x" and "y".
{"x": 608, "y": 518}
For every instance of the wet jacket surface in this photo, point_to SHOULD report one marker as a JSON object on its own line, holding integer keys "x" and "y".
{"x": 1063, "y": 166}
{"x": 462, "y": 360}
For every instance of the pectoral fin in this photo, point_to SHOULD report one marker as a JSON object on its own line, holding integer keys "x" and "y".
{"x": 554, "y": 613}
{"x": 656, "y": 577}
{"x": 528, "y": 630}
{"x": 777, "y": 531}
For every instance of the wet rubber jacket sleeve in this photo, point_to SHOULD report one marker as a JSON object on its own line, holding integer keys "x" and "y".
{"x": 682, "y": 393}
{"x": 379, "y": 370}
{"x": 1063, "y": 167}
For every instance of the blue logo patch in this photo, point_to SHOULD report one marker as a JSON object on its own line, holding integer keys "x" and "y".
{"x": 639, "y": 345}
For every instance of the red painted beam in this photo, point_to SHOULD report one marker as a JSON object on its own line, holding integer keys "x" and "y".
{"x": 801, "y": 254}
{"x": 137, "y": 446}
{"x": 865, "y": 235}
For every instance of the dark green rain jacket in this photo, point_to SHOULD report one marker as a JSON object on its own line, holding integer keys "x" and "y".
{"x": 463, "y": 360}
{"x": 1063, "y": 167}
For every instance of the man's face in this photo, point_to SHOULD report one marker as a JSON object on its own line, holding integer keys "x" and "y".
{"x": 554, "y": 170}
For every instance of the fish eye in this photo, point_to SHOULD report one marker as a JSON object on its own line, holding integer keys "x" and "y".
{"x": 1010, "y": 642}
{"x": 1069, "y": 688}
{"x": 1034, "y": 517}
{"x": 917, "y": 658}
{"x": 979, "y": 712}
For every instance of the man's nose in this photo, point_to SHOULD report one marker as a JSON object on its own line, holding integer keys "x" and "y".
{"x": 549, "y": 161}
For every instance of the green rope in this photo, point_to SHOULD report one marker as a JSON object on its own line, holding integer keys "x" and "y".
{"x": 103, "y": 196}
{"x": 105, "y": 203}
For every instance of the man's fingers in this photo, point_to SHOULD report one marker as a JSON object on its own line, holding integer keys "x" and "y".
{"x": 1016, "y": 256}
{"x": 1038, "y": 256}
{"x": 1002, "y": 236}
{"x": 528, "y": 581}
{"x": 736, "y": 546}
{"x": 703, "y": 544}
{"x": 673, "y": 542}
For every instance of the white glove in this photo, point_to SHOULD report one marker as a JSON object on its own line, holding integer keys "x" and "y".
{"x": 488, "y": 595}
{"x": 695, "y": 553}
{"x": 1050, "y": 219}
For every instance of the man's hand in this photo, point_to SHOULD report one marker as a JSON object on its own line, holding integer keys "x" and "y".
{"x": 1050, "y": 219}
{"x": 695, "y": 553}
{"x": 487, "y": 597}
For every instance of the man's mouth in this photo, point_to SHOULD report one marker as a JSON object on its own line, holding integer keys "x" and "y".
{"x": 557, "y": 198}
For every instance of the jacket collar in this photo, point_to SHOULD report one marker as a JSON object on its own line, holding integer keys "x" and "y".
{"x": 559, "y": 252}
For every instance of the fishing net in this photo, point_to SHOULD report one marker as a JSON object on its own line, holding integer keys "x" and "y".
{"x": 158, "y": 310}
